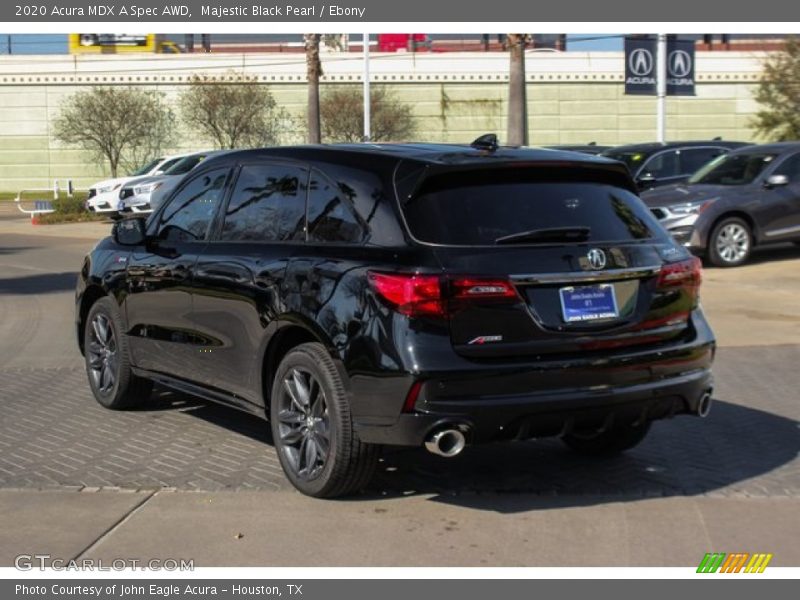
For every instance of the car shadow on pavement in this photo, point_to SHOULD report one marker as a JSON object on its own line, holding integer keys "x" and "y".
{"x": 43, "y": 283}
{"x": 777, "y": 253}
{"x": 6, "y": 250}
{"x": 684, "y": 456}
{"x": 735, "y": 449}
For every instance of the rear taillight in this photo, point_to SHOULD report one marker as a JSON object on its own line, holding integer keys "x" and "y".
{"x": 413, "y": 295}
{"x": 686, "y": 274}
{"x": 436, "y": 296}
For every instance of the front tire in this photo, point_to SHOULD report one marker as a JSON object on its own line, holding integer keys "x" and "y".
{"x": 730, "y": 243}
{"x": 107, "y": 359}
{"x": 312, "y": 427}
{"x": 614, "y": 440}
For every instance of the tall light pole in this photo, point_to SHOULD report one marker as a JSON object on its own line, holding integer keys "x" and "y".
{"x": 367, "y": 128}
{"x": 661, "y": 87}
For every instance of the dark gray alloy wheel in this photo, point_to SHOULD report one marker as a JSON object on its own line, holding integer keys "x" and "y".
{"x": 303, "y": 424}
{"x": 608, "y": 442}
{"x": 108, "y": 361}
{"x": 312, "y": 426}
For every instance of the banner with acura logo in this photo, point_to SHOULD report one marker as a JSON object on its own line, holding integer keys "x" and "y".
{"x": 641, "y": 67}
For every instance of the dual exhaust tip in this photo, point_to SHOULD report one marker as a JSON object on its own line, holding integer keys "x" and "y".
{"x": 447, "y": 442}
{"x": 704, "y": 405}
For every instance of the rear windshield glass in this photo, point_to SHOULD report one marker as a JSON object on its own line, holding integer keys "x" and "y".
{"x": 480, "y": 209}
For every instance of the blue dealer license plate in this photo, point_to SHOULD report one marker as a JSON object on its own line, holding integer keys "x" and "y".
{"x": 588, "y": 303}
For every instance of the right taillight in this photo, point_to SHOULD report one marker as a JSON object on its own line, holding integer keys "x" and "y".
{"x": 686, "y": 275}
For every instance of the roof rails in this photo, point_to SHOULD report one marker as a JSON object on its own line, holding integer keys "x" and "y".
{"x": 486, "y": 142}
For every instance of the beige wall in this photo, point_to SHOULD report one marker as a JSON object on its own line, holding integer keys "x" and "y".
{"x": 572, "y": 98}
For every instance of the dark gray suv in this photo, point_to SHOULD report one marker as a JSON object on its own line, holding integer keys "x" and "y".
{"x": 747, "y": 198}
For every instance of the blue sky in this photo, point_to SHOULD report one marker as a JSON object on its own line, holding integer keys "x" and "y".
{"x": 57, "y": 43}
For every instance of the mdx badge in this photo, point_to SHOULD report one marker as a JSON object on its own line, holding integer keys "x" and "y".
{"x": 596, "y": 258}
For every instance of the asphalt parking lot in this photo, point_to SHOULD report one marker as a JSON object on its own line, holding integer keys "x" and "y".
{"x": 56, "y": 442}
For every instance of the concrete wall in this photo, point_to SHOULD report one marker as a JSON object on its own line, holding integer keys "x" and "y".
{"x": 572, "y": 98}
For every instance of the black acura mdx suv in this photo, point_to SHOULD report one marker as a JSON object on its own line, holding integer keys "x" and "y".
{"x": 417, "y": 295}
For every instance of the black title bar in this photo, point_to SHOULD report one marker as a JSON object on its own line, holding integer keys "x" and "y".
{"x": 465, "y": 11}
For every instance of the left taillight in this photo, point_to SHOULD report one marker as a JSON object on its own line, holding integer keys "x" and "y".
{"x": 410, "y": 294}
{"x": 418, "y": 295}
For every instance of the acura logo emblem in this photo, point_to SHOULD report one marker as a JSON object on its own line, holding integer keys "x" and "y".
{"x": 680, "y": 63}
{"x": 640, "y": 62}
{"x": 596, "y": 258}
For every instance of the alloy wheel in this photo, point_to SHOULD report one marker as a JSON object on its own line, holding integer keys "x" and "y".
{"x": 102, "y": 351}
{"x": 303, "y": 424}
{"x": 733, "y": 243}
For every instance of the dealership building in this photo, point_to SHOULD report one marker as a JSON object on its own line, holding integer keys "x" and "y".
{"x": 573, "y": 97}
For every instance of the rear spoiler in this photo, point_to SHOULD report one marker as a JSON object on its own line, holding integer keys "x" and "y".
{"x": 411, "y": 176}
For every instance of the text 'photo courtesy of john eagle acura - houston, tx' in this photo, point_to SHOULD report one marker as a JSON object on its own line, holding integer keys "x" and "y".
{"x": 359, "y": 296}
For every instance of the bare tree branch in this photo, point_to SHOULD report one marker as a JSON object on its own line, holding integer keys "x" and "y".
{"x": 342, "y": 110}
{"x": 234, "y": 112}
{"x": 125, "y": 126}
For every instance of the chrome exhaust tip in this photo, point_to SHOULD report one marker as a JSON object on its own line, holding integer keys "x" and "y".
{"x": 704, "y": 406}
{"x": 446, "y": 442}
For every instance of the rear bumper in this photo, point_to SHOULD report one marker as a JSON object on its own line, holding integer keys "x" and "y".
{"x": 495, "y": 401}
{"x": 486, "y": 419}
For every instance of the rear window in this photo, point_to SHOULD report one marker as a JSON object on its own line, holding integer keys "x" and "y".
{"x": 481, "y": 208}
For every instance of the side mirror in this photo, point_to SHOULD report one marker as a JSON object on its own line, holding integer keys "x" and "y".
{"x": 776, "y": 181}
{"x": 645, "y": 179}
{"x": 130, "y": 232}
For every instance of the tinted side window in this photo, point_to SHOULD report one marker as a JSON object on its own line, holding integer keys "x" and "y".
{"x": 790, "y": 168}
{"x": 663, "y": 165}
{"x": 268, "y": 204}
{"x": 189, "y": 214}
{"x": 694, "y": 158}
{"x": 331, "y": 217}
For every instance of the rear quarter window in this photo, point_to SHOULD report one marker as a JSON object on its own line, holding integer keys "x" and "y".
{"x": 480, "y": 207}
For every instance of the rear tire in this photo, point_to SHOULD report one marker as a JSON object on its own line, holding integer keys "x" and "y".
{"x": 107, "y": 359}
{"x": 730, "y": 243}
{"x": 614, "y": 440}
{"x": 312, "y": 427}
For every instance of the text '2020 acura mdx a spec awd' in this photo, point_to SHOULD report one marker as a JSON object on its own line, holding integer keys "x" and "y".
{"x": 414, "y": 294}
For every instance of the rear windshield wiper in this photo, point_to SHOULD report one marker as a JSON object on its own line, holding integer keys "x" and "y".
{"x": 549, "y": 234}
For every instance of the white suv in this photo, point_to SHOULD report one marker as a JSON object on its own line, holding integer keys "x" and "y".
{"x": 104, "y": 195}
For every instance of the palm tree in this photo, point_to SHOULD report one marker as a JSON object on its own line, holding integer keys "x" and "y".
{"x": 314, "y": 72}
{"x": 517, "y": 102}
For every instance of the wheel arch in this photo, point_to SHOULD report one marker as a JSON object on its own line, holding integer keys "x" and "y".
{"x": 744, "y": 216}
{"x": 91, "y": 294}
{"x": 289, "y": 335}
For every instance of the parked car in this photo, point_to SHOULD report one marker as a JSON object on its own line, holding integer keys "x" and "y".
{"x": 657, "y": 164}
{"x": 104, "y": 195}
{"x": 138, "y": 195}
{"x": 410, "y": 295}
{"x": 740, "y": 200}
{"x": 590, "y": 148}
{"x": 142, "y": 194}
